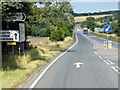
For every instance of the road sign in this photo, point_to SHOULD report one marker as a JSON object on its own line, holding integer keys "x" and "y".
{"x": 9, "y": 35}
{"x": 18, "y": 17}
{"x": 98, "y": 30}
{"x": 107, "y": 28}
{"x": 11, "y": 43}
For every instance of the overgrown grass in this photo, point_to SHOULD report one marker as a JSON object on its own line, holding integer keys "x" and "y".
{"x": 110, "y": 37}
{"x": 16, "y": 71}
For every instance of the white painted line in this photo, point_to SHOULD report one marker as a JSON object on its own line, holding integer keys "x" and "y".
{"x": 106, "y": 62}
{"x": 78, "y": 64}
{"x": 110, "y": 62}
{"x": 116, "y": 69}
{"x": 96, "y": 53}
{"x": 45, "y": 70}
{"x": 100, "y": 57}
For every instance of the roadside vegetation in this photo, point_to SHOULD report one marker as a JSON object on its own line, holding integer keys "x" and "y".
{"x": 112, "y": 20}
{"x": 17, "y": 70}
{"x": 52, "y": 21}
{"x": 111, "y": 37}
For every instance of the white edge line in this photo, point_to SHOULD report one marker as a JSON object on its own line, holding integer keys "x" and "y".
{"x": 106, "y": 62}
{"x": 100, "y": 57}
{"x": 113, "y": 67}
{"x": 44, "y": 71}
{"x": 96, "y": 53}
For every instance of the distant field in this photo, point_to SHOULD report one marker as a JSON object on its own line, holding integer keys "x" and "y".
{"x": 83, "y": 18}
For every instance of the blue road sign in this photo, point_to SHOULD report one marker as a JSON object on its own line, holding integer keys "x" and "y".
{"x": 107, "y": 28}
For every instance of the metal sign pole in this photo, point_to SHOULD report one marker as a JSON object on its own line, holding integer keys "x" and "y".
{"x": 19, "y": 48}
{"x": 13, "y": 51}
{"x": 107, "y": 40}
{"x": 0, "y": 51}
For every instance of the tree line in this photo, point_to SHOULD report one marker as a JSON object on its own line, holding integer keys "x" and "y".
{"x": 43, "y": 19}
{"x": 51, "y": 19}
{"x": 113, "y": 21}
{"x": 95, "y": 13}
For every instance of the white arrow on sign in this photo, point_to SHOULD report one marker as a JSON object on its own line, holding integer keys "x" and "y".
{"x": 107, "y": 29}
{"x": 19, "y": 17}
{"x": 78, "y": 64}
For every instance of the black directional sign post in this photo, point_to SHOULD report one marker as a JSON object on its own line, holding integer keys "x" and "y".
{"x": 0, "y": 41}
{"x": 20, "y": 17}
{"x": 15, "y": 35}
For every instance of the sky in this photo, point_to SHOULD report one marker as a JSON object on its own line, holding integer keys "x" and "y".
{"x": 82, "y": 7}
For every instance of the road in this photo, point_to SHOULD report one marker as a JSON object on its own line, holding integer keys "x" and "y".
{"x": 92, "y": 73}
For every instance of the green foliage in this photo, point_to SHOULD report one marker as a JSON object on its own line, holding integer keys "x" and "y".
{"x": 113, "y": 20}
{"x": 90, "y": 23}
{"x": 44, "y": 20}
{"x": 37, "y": 31}
{"x": 57, "y": 35}
{"x": 95, "y": 13}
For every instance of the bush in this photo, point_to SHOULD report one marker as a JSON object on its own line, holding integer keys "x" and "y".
{"x": 57, "y": 35}
{"x": 37, "y": 31}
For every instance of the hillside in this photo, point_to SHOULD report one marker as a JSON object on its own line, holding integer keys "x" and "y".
{"x": 83, "y": 18}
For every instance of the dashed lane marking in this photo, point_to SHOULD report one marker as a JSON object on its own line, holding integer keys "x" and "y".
{"x": 108, "y": 62}
{"x": 116, "y": 69}
{"x": 100, "y": 57}
{"x": 96, "y": 53}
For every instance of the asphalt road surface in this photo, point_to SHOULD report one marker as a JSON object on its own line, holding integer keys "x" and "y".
{"x": 79, "y": 67}
{"x": 101, "y": 40}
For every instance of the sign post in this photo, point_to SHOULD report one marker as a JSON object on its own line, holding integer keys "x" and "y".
{"x": 15, "y": 35}
{"x": 107, "y": 29}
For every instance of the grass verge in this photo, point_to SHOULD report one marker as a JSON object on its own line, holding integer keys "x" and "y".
{"x": 110, "y": 37}
{"x": 17, "y": 71}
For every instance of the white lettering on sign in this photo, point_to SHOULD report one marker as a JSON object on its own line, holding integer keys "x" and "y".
{"x": 9, "y": 35}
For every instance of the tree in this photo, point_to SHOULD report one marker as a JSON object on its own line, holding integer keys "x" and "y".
{"x": 90, "y": 23}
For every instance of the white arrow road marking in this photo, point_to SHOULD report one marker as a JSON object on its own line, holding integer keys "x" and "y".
{"x": 78, "y": 64}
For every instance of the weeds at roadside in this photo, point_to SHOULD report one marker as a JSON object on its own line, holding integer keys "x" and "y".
{"x": 19, "y": 69}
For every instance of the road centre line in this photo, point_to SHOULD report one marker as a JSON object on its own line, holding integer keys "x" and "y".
{"x": 45, "y": 70}
{"x": 100, "y": 57}
{"x": 116, "y": 69}
{"x": 96, "y": 53}
{"x": 108, "y": 62}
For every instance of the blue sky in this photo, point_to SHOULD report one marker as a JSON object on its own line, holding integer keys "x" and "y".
{"x": 81, "y": 7}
